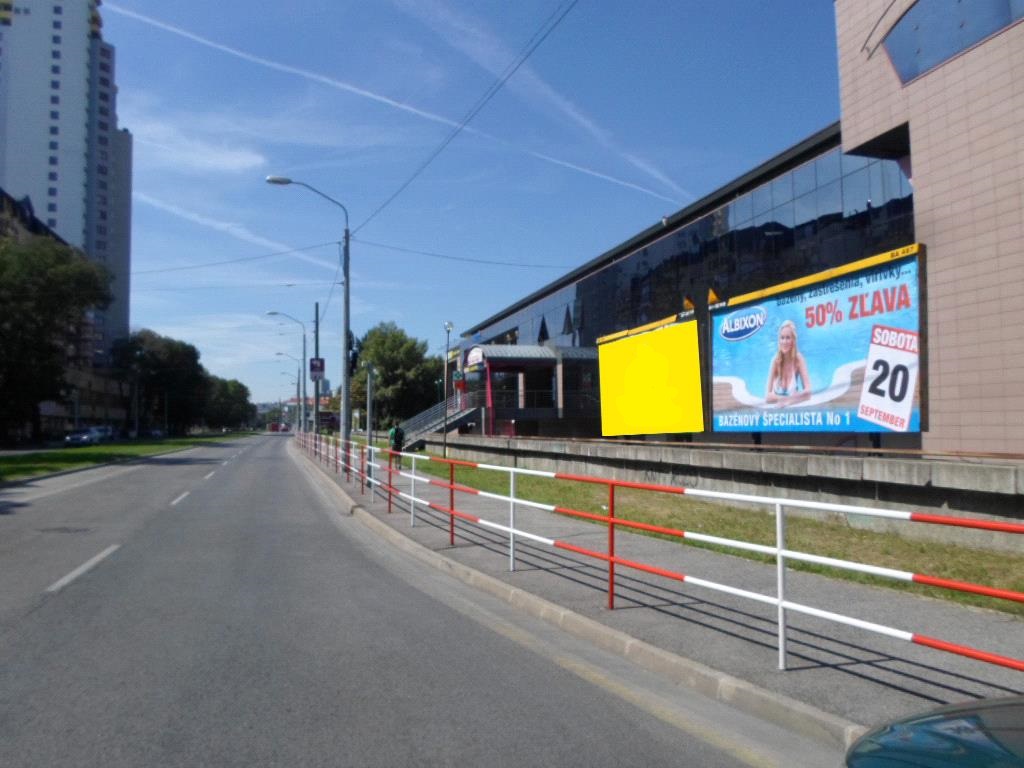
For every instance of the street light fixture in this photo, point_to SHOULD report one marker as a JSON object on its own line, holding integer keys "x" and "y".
{"x": 345, "y": 393}
{"x": 447, "y": 336}
{"x": 275, "y": 313}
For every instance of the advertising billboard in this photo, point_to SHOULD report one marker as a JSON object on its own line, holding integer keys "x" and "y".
{"x": 836, "y": 351}
{"x": 650, "y": 379}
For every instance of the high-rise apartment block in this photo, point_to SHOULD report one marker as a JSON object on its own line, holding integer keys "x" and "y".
{"x": 60, "y": 145}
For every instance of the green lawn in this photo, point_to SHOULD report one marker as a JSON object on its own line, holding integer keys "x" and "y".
{"x": 44, "y": 462}
{"x": 829, "y": 536}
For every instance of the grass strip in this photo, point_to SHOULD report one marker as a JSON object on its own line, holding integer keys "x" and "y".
{"x": 23, "y": 466}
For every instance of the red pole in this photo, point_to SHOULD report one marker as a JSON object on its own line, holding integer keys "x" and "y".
{"x": 611, "y": 546}
{"x": 451, "y": 504}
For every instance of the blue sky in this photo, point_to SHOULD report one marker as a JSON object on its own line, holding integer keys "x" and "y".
{"x": 624, "y": 113}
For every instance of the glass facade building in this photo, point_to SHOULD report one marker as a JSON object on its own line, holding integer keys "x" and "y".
{"x": 809, "y": 209}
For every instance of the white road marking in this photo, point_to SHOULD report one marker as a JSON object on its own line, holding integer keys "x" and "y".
{"x": 210, "y": 475}
{"x": 180, "y": 498}
{"x": 86, "y": 566}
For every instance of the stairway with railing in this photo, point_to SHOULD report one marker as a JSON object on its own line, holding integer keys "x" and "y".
{"x": 458, "y": 410}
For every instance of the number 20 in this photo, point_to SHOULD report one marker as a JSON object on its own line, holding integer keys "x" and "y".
{"x": 899, "y": 380}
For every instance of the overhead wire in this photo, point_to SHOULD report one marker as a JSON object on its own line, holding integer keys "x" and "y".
{"x": 539, "y": 37}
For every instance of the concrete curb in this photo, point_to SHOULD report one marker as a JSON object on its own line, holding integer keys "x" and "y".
{"x": 773, "y": 707}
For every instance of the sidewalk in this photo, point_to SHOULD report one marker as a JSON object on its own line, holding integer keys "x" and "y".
{"x": 838, "y": 679}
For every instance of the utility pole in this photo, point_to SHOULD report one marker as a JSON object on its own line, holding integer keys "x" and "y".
{"x": 369, "y": 417}
{"x": 316, "y": 382}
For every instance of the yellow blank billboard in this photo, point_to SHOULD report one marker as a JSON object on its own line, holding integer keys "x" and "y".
{"x": 650, "y": 381}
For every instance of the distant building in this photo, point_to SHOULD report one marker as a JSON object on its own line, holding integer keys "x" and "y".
{"x": 95, "y": 396}
{"x": 60, "y": 145}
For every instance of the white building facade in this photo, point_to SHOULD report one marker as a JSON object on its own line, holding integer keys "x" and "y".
{"x": 60, "y": 145}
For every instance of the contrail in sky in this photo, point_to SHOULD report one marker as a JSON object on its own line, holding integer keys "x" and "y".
{"x": 231, "y": 229}
{"x": 349, "y": 88}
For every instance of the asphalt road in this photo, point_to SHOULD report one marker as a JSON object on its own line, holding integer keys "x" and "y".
{"x": 213, "y": 608}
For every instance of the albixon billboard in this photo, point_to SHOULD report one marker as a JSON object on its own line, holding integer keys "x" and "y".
{"x": 836, "y": 351}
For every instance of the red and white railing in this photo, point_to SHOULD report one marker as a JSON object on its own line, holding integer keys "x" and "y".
{"x": 369, "y": 465}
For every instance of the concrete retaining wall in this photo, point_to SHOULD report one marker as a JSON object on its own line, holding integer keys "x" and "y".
{"x": 988, "y": 490}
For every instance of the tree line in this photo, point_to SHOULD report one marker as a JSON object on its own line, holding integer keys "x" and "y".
{"x": 47, "y": 290}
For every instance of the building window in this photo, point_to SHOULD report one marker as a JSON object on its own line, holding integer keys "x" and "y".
{"x": 55, "y": 69}
{"x": 58, "y": 10}
{"x": 54, "y": 146}
{"x": 54, "y": 130}
{"x": 51, "y": 192}
{"x": 55, "y": 85}
{"x": 53, "y": 160}
{"x": 934, "y": 31}
{"x": 53, "y": 175}
{"x": 51, "y": 207}
{"x": 51, "y": 223}
{"x": 55, "y": 39}
{"x": 103, "y": 140}
{"x": 55, "y": 99}
{"x": 55, "y": 54}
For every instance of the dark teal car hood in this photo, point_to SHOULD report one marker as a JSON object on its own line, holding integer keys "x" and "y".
{"x": 987, "y": 733}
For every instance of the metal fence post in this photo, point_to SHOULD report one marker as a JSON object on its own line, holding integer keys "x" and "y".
{"x": 451, "y": 504}
{"x": 391, "y": 478}
{"x": 512, "y": 520}
{"x": 780, "y": 580}
{"x": 412, "y": 494}
{"x": 611, "y": 546}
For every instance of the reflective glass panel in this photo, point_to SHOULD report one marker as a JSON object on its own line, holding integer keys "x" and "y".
{"x": 762, "y": 199}
{"x": 934, "y": 31}
{"x": 803, "y": 178}
{"x": 856, "y": 192}
{"x": 826, "y": 168}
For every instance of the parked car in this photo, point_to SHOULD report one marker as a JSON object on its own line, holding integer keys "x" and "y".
{"x": 90, "y": 436}
{"x": 989, "y": 732}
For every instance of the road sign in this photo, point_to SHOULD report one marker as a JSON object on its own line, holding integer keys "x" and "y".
{"x": 316, "y": 368}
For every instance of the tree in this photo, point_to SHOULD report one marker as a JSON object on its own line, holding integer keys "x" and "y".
{"x": 166, "y": 382}
{"x": 46, "y": 290}
{"x": 228, "y": 404}
{"x": 404, "y": 376}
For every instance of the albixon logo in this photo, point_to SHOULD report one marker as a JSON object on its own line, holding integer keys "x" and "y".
{"x": 743, "y": 324}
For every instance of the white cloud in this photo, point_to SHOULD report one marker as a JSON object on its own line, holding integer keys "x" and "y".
{"x": 165, "y": 146}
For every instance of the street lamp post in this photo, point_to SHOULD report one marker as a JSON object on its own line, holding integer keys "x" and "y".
{"x": 345, "y": 393}
{"x": 298, "y": 378}
{"x": 447, "y": 337}
{"x": 302, "y": 410}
